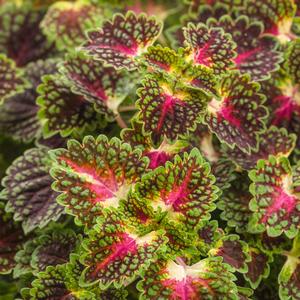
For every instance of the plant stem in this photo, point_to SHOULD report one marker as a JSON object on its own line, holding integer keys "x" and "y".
{"x": 127, "y": 108}
{"x": 121, "y": 122}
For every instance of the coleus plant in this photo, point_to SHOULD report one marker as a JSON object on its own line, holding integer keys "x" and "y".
{"x": 150, "y": 150}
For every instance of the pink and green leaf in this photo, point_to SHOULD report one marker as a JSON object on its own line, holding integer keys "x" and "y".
{"x": 276, "y": 16}
{"x": 210, "y": 47}
{"x": 102, "y": 86}
{"x": 275, "y": 203}
{"x": 256, "y": 54}
{"x": 238, "y": 117}
{"x": 62, "y": 111}
{"x": 169, "y": 110}
{"x": 121, "y": 41}
{"x": 115, "y": 254}
{"x": 207, "y": 279}
{"x": 182, "y": 191}
{"x": 95, "y": 174}
{"x": 65, "y": 23}
{"x": 28, "y": 190}
{"x": 275, "y": 141}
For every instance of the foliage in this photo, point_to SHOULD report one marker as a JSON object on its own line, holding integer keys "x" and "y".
{"x": 149, "y": 149}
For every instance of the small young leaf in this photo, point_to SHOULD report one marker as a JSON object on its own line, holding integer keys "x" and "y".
{"x": 258, "y": 267}
{"x": 233, "y": 251}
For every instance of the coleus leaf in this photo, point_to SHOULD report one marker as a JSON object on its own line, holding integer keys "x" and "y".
{"x": 275, "y": 203}
{"x": 28, "y": 190}
{"x": 53, "y": 248}
{"x": 293, "y": 60}
{"x": 173, "y": 64}
{"x": 234, "y": 204}
{"x": 244, "y": 293}
{"x": 210, "y": 47}
{"x": 169, "y": 110}
{"x": 207, "y": 235}
{"x": 65, "y": 23}
{"x": 201, "y": 14}
{"x": 283, "y": 98}
{"x": 221, "y": 167}
{"x": 274, "y": 141}
{"x": 182, "y": 191}
{"x": 256, "y": 54}
{"x": 288, "y": 278}
{"x": 95, "y": 174}
{"x": 11, "y": 78}
{"x": 115, "y": 254}
{"x": 21, "y": 38}
{"x": 103, "y": 86}
{"x": 277, "y": 16}
{"x": 238, "y": 117}
{"x": 158, "y": 155}
{"x": 63, "y": 111}
{"x": 55, "y": 283}
{"x": 233, "y": 251}
{"x": 258, "y": 266}
{"x": 207, "y": 279}
{"x": 120, "y": 42}
{"x": 195, "y": 4}
{"x": 18, "y": 114}
{"x": 11, "y": 239}
{"x": 23, "y": 259}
